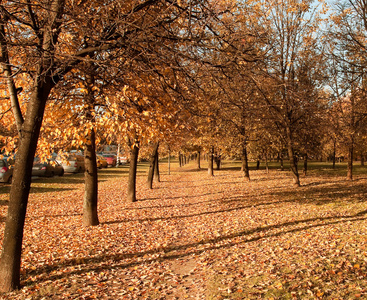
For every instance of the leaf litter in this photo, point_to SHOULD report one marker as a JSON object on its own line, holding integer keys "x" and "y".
{"x": 199, "y": 237}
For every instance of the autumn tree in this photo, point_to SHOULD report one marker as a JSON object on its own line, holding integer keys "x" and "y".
{"x": 44, "y": 79}
{"x": 291, "y": 26}
{"x": 347, "y": 49}
{"x": 349, "y": 114}
{"x": 44, "y": 42}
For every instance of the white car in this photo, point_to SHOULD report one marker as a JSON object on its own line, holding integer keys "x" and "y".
{"x": 73, "y": 163}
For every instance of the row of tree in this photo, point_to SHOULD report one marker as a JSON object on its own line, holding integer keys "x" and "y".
{"x": 240, "y": 77}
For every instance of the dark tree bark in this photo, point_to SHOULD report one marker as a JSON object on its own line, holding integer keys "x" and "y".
{"x": 305, "y": 166}
{"x": 131, "y": 186}
{"x": 157, "y": 177}
{"x": 281, "y": 161}
{"x": 266, "y": 163}
{"x": 294, "y": 167}
{"x": 350, "y": 161}
{"x": 19, "y": 191}
{"x": 169, "y": 162}
{"x": 211, "y": 162}
{"x": 198, "y": 160}
{"x": 245, "y": 168}
{"x": 334, "y": 154}
{"x": 258, "y": 164}
{"x": 152, "y": 166}
{"x": 217, "y": 159}
{"x": 180, "y": 159}
{"x": 90, "y": 212}
{"x": 90, "y": 204}
{"x": 292, "y": 158}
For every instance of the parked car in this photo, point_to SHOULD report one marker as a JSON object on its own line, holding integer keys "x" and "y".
{"x": 101, "y": 162}
{"x": 73, "y": 163}
{"x": 48, "y": 168}
{"x": 6, "y": 172}
{"x": 111, "y": 159}
{"x": 122, "y": 159}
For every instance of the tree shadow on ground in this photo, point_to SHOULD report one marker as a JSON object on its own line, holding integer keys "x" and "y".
{"x": 224, "y": 183}
{"x": 177, "y": 217}
{"x": 185, "y": 250}
{"x": 56, "y": 183}
{"x": 56, "y": 216}
{"x": 313, "y": 193}
{"x": 66, "y": 179}
{"x": 237, "y": 169}
{"x": 4, "y": 202}
{"x": 115, "y": 172}
{"x": 172, "y": 205}
{"x": 172, "y": 198}
{"x": 39, "y": 190}
{"x": 320, "y": 194}
{"x": 3, "y": 218}
{"x": 193, "y": 170}
{"x": 5, "y": 189}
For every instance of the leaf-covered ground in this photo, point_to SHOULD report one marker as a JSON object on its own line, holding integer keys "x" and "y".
{"x": 197, "y": 237}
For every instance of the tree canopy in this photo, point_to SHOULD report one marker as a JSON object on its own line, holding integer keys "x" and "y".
{"x": 248, "y": 79}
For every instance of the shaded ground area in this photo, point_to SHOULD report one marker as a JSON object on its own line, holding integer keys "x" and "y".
{"x": 198, "y": 237}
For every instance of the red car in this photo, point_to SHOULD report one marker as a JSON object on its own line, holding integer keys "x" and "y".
{"x": 6, "y": 172}
{"x": 111, "y": 159}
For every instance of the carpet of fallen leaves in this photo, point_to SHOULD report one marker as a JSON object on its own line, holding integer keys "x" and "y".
{"x": 197, "y": 237}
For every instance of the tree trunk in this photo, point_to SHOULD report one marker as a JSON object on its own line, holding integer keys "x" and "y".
{"x": 131, "y": 186}
{"x": 266, "y": 162}
{"x": 118, "y": 153}
{"x": 90, "y": 212}
{"x": 169, "y": 162}
{"x": 281, "y": 162}
{"x": 258, "y": 164}
{"x": 245, "y": 167}
{"x": 305, "y": 161}
{"x": 293, "y": 164}
{"x": 180, "y": 159}
{"x": 198, "y": 160}
{"x": 217, "y": 159}
{"x": 152, "y": 166}
{"x": 211, "y": 162}
{"x": 19, "y": 191}
{"x": 334, "y": 153}
{"x": 156, "y": 167}
{"x": 350, "y": 162}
